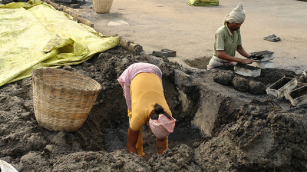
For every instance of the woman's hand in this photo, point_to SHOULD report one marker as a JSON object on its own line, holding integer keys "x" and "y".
{"x": 161, "y": 145}
{"x": 132, "y": 138}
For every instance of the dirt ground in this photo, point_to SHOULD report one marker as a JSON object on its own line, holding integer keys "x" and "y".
{"x": 105, "y": 130}
{"x": 259, "y": 135}
{"x": 173, "y": 24}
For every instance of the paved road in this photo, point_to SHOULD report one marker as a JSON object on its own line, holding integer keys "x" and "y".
{"x": 172, "y": 24}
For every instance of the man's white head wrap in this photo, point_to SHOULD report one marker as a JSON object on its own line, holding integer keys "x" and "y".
{"x": 237, "y": 15}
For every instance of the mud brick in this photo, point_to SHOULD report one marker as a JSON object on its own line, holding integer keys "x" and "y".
{"x": 172, "y": 52}
{"x": 267, "y": 55}
{"x": 265, "y": 65}
{"x": 160, "y": 54}
{"x": 164, "y": 53}
{"x": 247, "y": 70}
{"x": 75, "y": 6}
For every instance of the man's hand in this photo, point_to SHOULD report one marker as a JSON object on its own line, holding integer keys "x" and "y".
{"x": 247, "y": 61}
{"x": 256, "y": 57}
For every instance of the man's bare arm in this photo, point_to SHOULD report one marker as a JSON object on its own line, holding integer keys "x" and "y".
{"x": 241, "y": 50}
{"x": 222, "y": 55}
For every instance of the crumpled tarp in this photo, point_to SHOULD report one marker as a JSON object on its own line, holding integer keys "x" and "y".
{"x": 34, "y": 35}
{"x": 204, "y": 2}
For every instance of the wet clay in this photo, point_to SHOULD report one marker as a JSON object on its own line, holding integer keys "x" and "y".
{"x": 248, "y": 132}
{"x": 256, "y": 88}
{"x": 224, "y": 77}
{"x": 240, "y": 83}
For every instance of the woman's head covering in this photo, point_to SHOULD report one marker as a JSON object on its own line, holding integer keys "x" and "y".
{"x": 237, "y": 15}
{"x": 162, "y": 127}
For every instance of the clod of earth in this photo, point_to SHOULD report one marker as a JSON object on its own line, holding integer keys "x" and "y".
{"x": 224, "y": 78}
{"x": 218, "y": 127}
{"x": 240, "y": 83}
{"x": 256, "y": 87}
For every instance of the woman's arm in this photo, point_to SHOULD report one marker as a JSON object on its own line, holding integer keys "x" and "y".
{"x": 131, "y": 140}
{"x": 161, "y": 145}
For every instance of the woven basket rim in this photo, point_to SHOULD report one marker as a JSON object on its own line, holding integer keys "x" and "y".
{"x": 68, "y": 88}
{"x": 107, "y": 4}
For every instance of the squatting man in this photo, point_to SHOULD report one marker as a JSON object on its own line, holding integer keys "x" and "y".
{"x": 143, "y": 91}
{"x": 228, "y": 41}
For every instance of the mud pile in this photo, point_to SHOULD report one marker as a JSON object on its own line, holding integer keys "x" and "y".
{"x": 259, "y": 139}
{"x": 218, "y": 127}
{"x": 252, "y": 85}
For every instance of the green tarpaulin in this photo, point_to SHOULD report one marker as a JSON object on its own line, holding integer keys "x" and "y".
{"x": 34, "y": 35}
{"x": 203, "y": 2}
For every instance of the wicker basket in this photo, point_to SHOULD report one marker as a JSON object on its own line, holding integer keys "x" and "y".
{"x": 102, "y": 6}
{"x": 62, "y": 100}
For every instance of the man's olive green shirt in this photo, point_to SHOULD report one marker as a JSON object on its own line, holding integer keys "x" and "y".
{"x": 227, "y": 42}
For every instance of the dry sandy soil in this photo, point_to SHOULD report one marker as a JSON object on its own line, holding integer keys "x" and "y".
{"x": 173, "y": 24}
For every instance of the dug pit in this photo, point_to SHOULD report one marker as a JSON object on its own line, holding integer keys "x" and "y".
{"x": 200, "y": 63}
{"x": 109, "y": 114}
{"x": 107, "y": 124}
{"x": 218, "y": 127}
